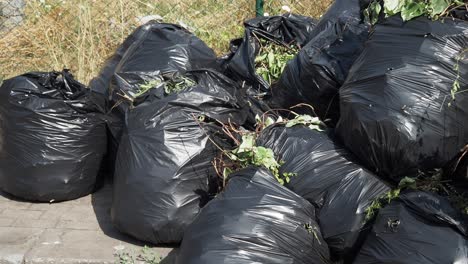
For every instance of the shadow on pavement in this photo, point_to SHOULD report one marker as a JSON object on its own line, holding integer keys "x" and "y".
{"x": 102, "y": 202}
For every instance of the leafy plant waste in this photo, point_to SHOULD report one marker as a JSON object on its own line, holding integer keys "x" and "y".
{"x": 171, "y": 85}
{"x": 409, "y": 9}
{"x": 429, "y": 182}
{"x": 247, "y": 153}
{"x": 272, "y": 58}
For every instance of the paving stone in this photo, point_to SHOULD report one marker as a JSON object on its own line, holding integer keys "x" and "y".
{"x": 77, "y": 231}
{"x": 80, "y": 246}
{"x": 35, "y": 223}
{"x": 10, "y": 204}
{"x": 56, "y": 212}
{"x": 83, "y": 225}
{"x": 4, "y": 222}
{"x": 15, "y": 242}
{"x": 79, "y": 213}
{"x": 21, "y": 213}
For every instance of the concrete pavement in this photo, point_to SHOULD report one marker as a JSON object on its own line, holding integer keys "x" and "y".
{"x": 78, "y": 231}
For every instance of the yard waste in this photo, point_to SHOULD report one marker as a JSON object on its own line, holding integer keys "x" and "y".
{"x": 164, "y": 172}
{"x": 337, "y": 141}
{"x": 257, "y": 60}
{"x": 162, "y": 49}
{"x": 254, "y": 220}
{"x": 53, "y": 137}
{"x": 417, "y": 227}
{"x": 288, "y": 30}
{"x": 151, "y": 51}
{"x": 317, "y": 72}
{"x": 404, "y": 106}
{"x": 327, "y": 176}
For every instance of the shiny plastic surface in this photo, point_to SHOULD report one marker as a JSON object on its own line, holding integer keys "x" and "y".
{"x": 328, "y": 177}
{"x": 417, "y": 228}
{"x": 164, "y": 171}
{"x": 284, "y": 30}
{"x": 317, "y": 72}
{"x": 397, "y": 113}
{"x": 52, "y": 137}
{"x": 254, "y": 220}
{"x": 152, "y": 50}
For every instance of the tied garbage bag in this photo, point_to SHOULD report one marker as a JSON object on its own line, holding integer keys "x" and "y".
{"x": 317, "y": 72}
{"x": 416, "y": 228}
{"x": 163, "y": 49}
{"x": 327, "y": 176}
{"x": 155, "y": 47}
{"x": 152, "y": 50}
{"x": 286, "y": 31}
{"x": 164, "y": 171}
{"x": 52, "y": 137}
{"x": 254, "y": 220}
{"x": 398, "y": 115}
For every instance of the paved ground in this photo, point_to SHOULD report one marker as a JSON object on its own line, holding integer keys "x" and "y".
{"x": 78, "y": 231}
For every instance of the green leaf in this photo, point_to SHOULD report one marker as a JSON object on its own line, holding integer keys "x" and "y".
{"x": 412, "y": 10}
{"x": 371, "y": 14}
{"x": 393, "y": 7}
{"x": 407, "y": 182}
{"x": 271, "y": 58}
{"x": 226, "y": 172}
{"x": 307, "y": 120}
{"x": 261, "y": 58}
{"x": 269, "y": 121}
{"x": 248, "y": 142}
{"x": 438, "y": 6}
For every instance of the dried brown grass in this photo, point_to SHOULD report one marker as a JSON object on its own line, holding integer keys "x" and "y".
{"x": 81, "y": 34}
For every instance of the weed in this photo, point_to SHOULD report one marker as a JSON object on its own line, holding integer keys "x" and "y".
{"x": 272, "y": 59}
{"x": 145, "y": 255}
{"x": 312, "y": 230}
{"x": 81, "y": 34}
{"x": 247, "y": 153}
{"x": 178, "y": 84}
{"x": 171, "y": 85}
{"x": 145, "y": 87}
{"x": 431, "y": 182}
{"x": 409, "y": 9}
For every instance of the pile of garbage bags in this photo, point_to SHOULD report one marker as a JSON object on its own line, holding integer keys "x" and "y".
{"x": 165, "y": 112}
{"x": 329, "y": 178}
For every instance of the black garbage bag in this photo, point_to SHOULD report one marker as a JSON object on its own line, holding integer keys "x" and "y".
{"x": 152, "y": 50}
{"x": 164, "y": 171}
{"x": 328, "y": 177}
{"x": 317, "y": 72}
{"x": 417, "y": 227}
{"x": 254, "y": 220}
{"x": 52, "y": 137}
{"x": 288, "y": 29}
{"x": 101, "y": 83}
{"x": 397, "y": 112}
{"x": 162, "y": 49}
{"x": 284, "y": 30}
